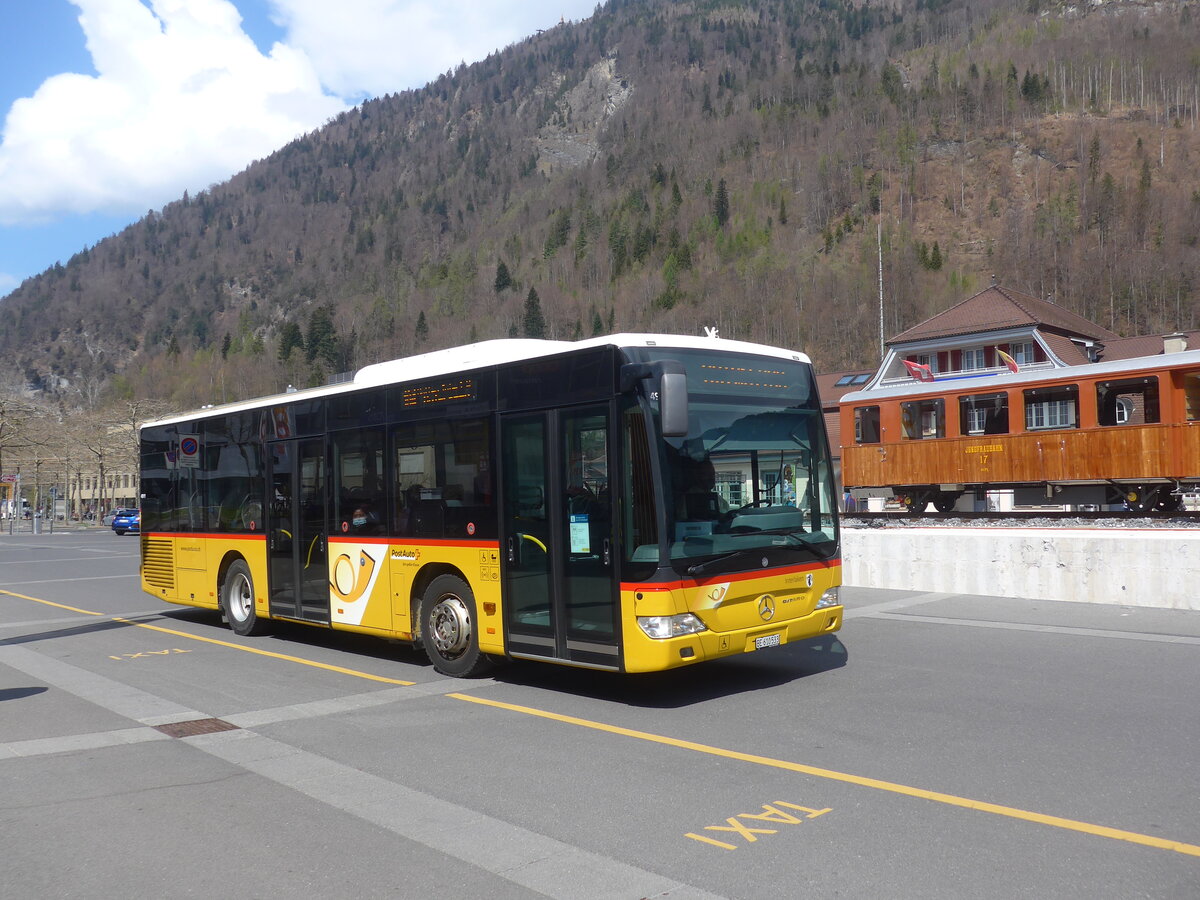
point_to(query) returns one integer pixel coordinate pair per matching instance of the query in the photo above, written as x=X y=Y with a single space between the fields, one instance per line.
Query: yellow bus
x=630 y=503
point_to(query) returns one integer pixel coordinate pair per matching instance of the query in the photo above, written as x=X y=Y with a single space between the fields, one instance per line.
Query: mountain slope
x=665 y=166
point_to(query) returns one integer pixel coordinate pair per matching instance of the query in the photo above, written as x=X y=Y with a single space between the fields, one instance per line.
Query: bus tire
x=237 y=600
x=448 y=628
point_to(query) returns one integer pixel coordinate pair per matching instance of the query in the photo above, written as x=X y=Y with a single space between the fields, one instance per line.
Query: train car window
x=866 y=425
x=983 y=414
x=923 y=419
x=1133 y=401
x=1191 y=393
x=1052 y=407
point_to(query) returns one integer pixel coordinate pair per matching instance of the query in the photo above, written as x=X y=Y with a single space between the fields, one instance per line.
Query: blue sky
x=110 y=108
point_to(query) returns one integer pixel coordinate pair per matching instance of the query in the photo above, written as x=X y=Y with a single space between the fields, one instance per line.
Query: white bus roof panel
x=489 y=353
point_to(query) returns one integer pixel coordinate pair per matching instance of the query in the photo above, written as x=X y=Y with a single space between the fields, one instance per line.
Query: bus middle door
x=296 y=543
x=560 y=591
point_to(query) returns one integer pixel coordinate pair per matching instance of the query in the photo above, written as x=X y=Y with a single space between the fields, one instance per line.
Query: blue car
x=127 y=520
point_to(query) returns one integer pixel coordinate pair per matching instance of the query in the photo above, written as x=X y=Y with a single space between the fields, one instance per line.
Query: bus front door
x=560 y=591
x=296 y=545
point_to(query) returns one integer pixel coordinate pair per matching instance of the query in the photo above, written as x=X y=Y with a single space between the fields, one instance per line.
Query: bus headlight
x=828 y=599
x=659 y=627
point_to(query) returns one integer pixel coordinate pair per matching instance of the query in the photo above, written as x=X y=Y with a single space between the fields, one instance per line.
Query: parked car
x=109 y=516
x=127 y=520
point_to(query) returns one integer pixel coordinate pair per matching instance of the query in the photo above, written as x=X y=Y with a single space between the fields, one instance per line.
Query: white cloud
x=375 y=47
x=182 y=98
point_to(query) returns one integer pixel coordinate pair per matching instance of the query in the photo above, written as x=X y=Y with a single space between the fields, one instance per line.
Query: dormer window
x=973 y=359
x=1022 y=353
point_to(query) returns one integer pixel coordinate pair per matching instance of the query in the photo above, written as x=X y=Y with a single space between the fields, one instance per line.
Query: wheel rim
x=450 y=627
x=1140 y=500
x=239 y=600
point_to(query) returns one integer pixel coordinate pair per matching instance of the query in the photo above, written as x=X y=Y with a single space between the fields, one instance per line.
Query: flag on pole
x=1008 y=361
x=919 y=371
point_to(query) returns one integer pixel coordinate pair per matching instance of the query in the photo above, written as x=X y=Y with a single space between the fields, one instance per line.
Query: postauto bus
x=630 y=503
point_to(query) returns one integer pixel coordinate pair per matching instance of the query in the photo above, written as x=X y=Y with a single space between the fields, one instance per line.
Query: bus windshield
x=752 y=473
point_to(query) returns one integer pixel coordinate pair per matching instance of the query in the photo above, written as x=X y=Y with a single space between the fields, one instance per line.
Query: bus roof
x=481 y=355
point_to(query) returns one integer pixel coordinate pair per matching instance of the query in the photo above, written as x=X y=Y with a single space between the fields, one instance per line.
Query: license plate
x=767 y=640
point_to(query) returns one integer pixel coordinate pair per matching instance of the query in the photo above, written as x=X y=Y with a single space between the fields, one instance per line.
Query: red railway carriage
x=1103 y=433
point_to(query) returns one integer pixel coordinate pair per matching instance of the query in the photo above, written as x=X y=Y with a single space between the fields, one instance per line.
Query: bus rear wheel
x=237 y=600
x=448 y=628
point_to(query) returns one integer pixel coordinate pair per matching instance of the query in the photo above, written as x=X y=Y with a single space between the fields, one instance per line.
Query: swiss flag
x=919 y=371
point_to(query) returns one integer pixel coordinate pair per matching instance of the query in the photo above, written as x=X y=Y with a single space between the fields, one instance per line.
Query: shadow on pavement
x=19 y=693
x=659 y=690
x=693 y=684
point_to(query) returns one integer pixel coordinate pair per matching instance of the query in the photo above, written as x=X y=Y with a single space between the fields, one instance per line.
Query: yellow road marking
x=936 y=796
x=1118 y=834
x=273 y=655
x=708 y=840
x=207 y=640
x=86 y=612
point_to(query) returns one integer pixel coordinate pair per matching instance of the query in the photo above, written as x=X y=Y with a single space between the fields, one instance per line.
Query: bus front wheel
x=448 y=628
x=237 y=600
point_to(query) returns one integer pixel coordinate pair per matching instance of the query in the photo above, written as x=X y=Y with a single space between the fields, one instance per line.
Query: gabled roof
x=1142 y=345
x=1065 y=349
x=832 y=386
x=996 y=309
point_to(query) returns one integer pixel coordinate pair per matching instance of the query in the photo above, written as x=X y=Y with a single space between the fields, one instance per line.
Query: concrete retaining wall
x=1155 y=568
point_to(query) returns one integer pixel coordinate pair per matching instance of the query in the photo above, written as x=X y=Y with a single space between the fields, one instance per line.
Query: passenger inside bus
x=406 y=516
x=364 y=520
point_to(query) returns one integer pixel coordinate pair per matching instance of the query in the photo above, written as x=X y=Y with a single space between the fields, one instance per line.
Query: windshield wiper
x=795 y=543
x=701 y=568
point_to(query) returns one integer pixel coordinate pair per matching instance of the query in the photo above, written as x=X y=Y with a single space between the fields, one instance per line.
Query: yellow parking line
x=936 y=796
x=949 y=799
x=86 y=612
x=207 y=640
x=357 y=673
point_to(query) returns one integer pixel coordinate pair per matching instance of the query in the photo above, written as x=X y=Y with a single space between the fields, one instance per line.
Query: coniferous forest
x=665 y=166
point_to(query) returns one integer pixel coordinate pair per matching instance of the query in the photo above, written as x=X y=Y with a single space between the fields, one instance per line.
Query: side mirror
x=672 y=391
x=673 y=404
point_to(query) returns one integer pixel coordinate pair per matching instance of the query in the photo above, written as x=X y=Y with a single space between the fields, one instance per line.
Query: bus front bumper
x=646 y=654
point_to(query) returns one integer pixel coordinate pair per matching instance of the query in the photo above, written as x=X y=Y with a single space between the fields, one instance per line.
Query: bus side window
x=358 y=481
x=441 y=479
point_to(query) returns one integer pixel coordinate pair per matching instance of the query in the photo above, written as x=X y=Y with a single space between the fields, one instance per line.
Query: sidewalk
x=17 y=527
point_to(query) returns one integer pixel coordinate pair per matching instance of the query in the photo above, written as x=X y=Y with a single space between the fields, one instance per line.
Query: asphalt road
x=943 y=746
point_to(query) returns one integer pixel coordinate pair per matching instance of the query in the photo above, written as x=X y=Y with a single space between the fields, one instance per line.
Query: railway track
x=1040 y=517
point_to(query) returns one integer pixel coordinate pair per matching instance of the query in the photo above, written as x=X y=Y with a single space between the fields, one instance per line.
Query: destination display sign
x=434 y=392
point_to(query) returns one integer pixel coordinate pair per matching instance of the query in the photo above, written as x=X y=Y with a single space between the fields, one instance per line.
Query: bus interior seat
x=531 y=501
